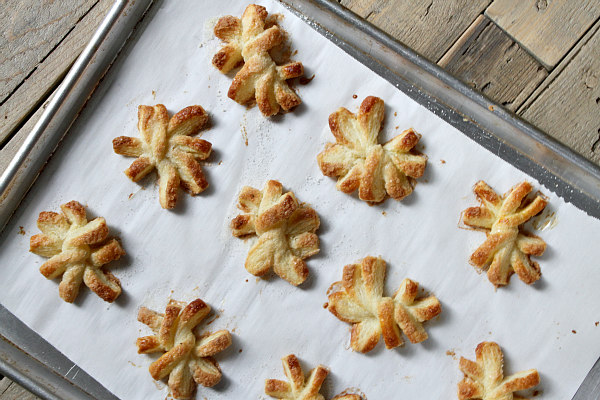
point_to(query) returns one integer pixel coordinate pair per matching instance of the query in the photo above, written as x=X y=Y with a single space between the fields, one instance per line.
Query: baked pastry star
x=166 y=145
x=484 y=378
x=359 y=301
x=78 y=250
x=358 y=161
x=299 y=388
x=507 y=247
x=187 y=358
x=249 y=40
x=285 y=230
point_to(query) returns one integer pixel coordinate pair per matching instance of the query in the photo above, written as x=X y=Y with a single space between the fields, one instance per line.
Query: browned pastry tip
x=78 y=251
x=299 y=387
x=360 y=162
x=166 y=145
x=187 y=358
x=285 y=229
x=507 y=248
x=248 y=41
x=484 y=378
x=360 y=302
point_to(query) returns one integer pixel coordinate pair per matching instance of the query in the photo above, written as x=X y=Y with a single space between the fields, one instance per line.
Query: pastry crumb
x=304 y=80
x=325 y=305
x=574 y=331
x=597 y=322
x=397 y=126
x=21 y=230
x=395 y=113
x=245 y=135
x=130 y=196
x=240 y=350
x=154 y=94
x=383 y=213
x=491 y=108
x=354 y=96
x=450 y=353
x=443 y=161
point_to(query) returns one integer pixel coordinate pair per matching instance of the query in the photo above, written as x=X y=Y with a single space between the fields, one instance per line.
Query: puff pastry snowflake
x=507 y=248
x=249 y=40
x=187 y=358
x=285 y=230
x=78 y=249
x=360 y=302
x=167 y=146
x=360 y=162
x=485 y=380
x=299 y=388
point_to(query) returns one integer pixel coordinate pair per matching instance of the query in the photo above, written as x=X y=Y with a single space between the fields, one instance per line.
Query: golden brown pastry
x=484 y=378
x=166 y=145
x=359 y=301
x=285 y=230
x=249 y=40
x=360 y=162
x=507 y=247
x=187 y=358
x=299 y=388
x=78 y=250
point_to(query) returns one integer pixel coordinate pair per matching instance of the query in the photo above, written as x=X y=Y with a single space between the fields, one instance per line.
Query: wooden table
x=537 y=58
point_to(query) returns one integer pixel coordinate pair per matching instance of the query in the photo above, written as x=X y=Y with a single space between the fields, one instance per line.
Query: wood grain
x=44 y=76
x=488 y=60
x=546 y=29
x=30 y=30
x=428 y=27
x=569 y=108
x=12 y=391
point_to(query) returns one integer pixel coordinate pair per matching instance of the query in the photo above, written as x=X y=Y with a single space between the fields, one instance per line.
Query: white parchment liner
x=189 y=252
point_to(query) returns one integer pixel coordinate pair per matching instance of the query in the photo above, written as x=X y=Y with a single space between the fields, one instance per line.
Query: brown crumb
x=246 y=280
x=130 y=195
x=220 y=162
x=395 y=114
x=443 y=161
x=245 y=135
x=304 y=80
x=383 y=213
x=450 y=353
x=295 y=52
x=536 y=393
x=240 y=350
x=597 y=322
x=574 y=331
x=354 y=96
x=491 y=108
x=325 y=305
x=397 y=126
x=21 y=230
x=154 y=94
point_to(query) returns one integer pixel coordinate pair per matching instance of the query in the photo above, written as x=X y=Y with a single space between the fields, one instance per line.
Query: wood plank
x=48 y=74
x=569 y=108
x=9 y=390
x=487 y=59
x=30 y=30
x=546 y=29
x=12 y=146
x=428 y=27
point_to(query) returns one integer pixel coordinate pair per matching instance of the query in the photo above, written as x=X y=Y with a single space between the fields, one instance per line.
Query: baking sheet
x=189 y=252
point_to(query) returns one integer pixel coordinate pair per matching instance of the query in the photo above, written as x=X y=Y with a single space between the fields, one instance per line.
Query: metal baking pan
x=32 y=362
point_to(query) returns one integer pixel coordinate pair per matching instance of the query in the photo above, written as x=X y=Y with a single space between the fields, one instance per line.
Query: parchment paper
x=189 y=252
